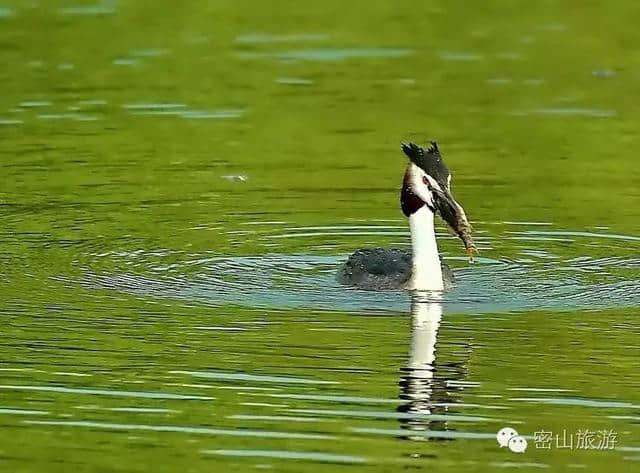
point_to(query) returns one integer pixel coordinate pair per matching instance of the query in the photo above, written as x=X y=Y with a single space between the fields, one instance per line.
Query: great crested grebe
x=426 y=190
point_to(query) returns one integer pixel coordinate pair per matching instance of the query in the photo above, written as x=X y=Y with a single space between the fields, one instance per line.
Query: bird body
x=425 y=192
x=384 y=268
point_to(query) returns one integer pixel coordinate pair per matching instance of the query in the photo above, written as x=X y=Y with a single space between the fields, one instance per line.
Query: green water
x=180 y=184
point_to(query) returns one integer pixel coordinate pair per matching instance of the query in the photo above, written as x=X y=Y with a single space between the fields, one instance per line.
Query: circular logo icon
x=517 y=444
x=504 y=435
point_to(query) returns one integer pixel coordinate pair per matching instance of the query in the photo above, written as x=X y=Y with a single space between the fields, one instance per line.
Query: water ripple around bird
x=532 y=278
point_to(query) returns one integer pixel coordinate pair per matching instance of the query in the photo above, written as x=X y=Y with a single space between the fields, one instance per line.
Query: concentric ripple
x=535 y=279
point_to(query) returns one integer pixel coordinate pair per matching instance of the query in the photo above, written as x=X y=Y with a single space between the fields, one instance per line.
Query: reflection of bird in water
x=426 y=190
x=427 y=387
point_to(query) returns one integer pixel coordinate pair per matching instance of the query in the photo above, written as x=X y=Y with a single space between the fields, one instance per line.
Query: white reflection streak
x=426 y=313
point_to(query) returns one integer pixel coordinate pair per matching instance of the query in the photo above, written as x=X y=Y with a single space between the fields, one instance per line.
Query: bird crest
x=429 y=160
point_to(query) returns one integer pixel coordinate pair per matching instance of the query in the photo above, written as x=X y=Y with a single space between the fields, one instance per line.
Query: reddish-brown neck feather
x=409 y=201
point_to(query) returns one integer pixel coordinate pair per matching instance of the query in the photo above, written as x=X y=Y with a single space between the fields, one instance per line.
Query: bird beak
x=453 y=213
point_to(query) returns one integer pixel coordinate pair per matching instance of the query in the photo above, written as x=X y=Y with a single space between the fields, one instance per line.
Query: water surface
x=180 y=186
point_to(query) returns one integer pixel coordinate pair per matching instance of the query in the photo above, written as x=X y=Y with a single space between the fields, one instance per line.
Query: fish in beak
x=434 y=190
x=455 y=216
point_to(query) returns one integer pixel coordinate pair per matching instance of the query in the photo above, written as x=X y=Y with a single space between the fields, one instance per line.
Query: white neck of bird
x=426 y=270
